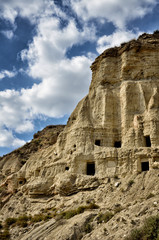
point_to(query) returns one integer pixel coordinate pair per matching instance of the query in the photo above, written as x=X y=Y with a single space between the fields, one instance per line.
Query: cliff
x=105 y=161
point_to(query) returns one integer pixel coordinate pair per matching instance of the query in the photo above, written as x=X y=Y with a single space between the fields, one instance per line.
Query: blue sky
x=46 y=49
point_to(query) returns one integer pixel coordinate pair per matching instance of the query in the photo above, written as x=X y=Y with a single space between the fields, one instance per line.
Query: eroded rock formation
x=113 y=132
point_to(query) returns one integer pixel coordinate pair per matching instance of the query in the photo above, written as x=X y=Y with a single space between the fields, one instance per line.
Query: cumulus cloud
x=63 y=81
x=8 y=139
x=6 y=73
x=14 y=117
x=115 y=39
x=31 y=9
x=14 y=112
x=58 y=93
x=117 y=11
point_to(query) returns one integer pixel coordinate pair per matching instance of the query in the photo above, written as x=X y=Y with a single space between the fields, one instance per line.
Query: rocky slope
x=98 y=178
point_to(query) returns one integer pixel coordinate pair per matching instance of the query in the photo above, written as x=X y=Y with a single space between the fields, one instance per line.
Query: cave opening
x=97 y=142
x=145 y=166
x=91 y=168
x=117 y=144
x=148 y=141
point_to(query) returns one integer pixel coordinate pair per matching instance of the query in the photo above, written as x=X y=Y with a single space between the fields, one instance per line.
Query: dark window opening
x=145 y=166
x=91 y=168
x=66 y=168
x=148 y=141
x=74 y=145
x=97 y=142
x=117 y=144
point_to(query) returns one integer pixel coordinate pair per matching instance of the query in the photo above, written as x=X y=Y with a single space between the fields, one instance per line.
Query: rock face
x=115 y=127
x=112 y=133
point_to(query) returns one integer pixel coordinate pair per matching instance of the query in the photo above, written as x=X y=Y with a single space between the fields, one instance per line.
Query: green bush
x=151 y=228
x=23 y=218
x=37 y=218
x=92 y=206
x=81 y=209
x=104 y=217
x=4 y=235
x=69 y=214
x=135 y=234
x=149 y=231
x=22 y=221
x=47 y=217
x=88 y=228
x=10 y=221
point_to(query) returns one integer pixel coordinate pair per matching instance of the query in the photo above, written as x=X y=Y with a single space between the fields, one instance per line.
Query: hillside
x=97 y=177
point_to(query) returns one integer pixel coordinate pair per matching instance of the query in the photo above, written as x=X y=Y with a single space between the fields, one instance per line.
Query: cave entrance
x=144 y=166
x=97 y=142
x=148 y=141
x=91 y=168
x=117 y=144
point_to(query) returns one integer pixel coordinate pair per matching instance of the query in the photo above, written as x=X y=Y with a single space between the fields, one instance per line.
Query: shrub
x=47 y=217
x=104 y=217
x=156 y=32
x=149 y=231
x=135 y=235
x=4 y=235
x=92 y=206
x=22 y=221
x=69 y=214
x=22 y=224
x=88 y=228
x=81 y=209
x=151 y=228
x=37 y=218
x=10 y=221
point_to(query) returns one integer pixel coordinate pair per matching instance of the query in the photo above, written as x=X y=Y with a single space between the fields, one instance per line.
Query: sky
x=46 y=49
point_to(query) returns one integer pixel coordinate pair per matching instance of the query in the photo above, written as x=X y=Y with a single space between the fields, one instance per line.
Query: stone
x=117 y=184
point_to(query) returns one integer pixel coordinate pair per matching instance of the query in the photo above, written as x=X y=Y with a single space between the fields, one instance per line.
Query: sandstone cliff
x=107 y=154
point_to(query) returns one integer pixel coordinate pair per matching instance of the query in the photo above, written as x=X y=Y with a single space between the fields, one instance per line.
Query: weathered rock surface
x=108 y=153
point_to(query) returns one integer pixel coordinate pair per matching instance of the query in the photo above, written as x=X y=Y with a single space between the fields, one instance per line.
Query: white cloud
x=63 y=81
x=8 y=139
x=6 y=73
x=115 y=39
x=116 y=11
x=58 y=93
x=31 y=9
x=14 y=112
x=15 y=116
x=8 y=34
